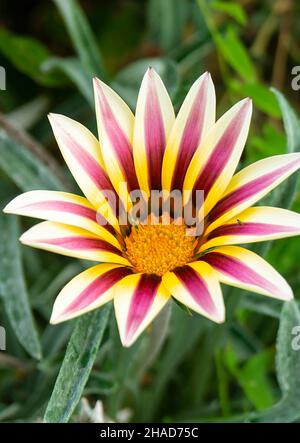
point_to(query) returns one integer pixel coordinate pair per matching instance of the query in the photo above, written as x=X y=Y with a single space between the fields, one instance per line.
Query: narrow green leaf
x=23 y=167
x=235 y=53
x=283 y=195
x=234 y=10
x=76 y=367
x=13 y=290
x=27 y=55
x=73 y=69
x=262 y=97
x=286 y=192
x=82 y=36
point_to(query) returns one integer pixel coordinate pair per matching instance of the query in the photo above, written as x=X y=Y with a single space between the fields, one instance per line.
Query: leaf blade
x=13 y=288
x=76 y=367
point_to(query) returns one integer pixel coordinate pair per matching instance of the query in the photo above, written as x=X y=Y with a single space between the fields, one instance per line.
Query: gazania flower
x=143 y=266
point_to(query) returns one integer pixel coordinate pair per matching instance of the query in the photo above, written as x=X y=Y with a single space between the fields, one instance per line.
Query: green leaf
x=27 y=55
x=261 y=95
x=82 y=36
x=72 y=68
x=252 y=377
x=13 y=290
x=287 y=410
x=286 y=192
x=283 y=195
x=127 y=82
x=234 y=10
x=167 y=31
x=23 y=167
x=235 y=53
x=76 y=367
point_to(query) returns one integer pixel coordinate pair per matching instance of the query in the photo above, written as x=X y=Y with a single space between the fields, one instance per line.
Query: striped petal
x=217 y=157
x=115 y=127
x=154 y=119
x=74 y=242
x=138 y=299
x=244 y=269
x=196 y=116
x=89 y=290
x=251 y=184
x=81 y=151
x=196 y=286
x=63 y=208
x=253 y=225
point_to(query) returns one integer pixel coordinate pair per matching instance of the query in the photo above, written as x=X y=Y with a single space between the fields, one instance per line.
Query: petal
x=251 y=184
x=81 y=151
x=196 y=116
x=253 y=225
x=217 y=157
x=87 y=291
x=196 y=286
x=138 y=299
x=115 y=127
x=74 y=242
x=242 y=268
x=62 y=207
x=154 y=119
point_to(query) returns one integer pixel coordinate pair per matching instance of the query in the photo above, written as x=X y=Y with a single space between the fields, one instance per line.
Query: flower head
x=144 y=261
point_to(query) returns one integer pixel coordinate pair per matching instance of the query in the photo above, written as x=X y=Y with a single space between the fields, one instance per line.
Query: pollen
x=157 y=249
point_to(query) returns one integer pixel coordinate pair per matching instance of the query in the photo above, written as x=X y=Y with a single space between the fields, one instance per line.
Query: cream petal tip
x=55 y=319
x=24 y=239
x=8 y=209
x=221 y=317
x=289 y=295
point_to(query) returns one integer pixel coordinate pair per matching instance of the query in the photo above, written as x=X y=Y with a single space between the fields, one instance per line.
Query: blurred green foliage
x=244 y=370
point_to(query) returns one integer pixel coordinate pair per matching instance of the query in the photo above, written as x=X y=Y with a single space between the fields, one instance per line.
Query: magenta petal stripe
x=238 y=270
x=191 y=136
x=197 y=287
x=246 y=191
x=155 y=138
x=87 y=162
x=95 y=289
x=142 y=300
x=221 y=154
x=72 y=208
x=118 y=140
x=78 y=243
x=241 y=228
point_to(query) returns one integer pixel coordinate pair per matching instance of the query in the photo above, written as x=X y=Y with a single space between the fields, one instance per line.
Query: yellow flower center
x=156 y=249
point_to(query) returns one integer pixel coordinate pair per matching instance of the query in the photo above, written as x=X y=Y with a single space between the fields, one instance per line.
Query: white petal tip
x=97 y=82
x=55 y=319
x=220 y=318
x=8 y=209
x=127 y=342
x=24 y=239
x=53 y=117
x=247 y=101
x=289 y=296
